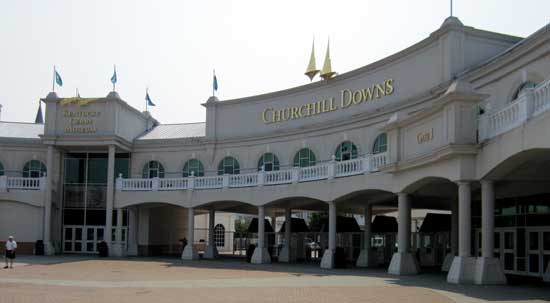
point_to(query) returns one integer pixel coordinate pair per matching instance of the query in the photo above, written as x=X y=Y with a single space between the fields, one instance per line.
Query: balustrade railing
x=530 y=103
x=326 y=170
x=7 y=183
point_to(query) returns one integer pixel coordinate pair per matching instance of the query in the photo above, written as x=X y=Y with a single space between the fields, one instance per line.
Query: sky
x=172 y=47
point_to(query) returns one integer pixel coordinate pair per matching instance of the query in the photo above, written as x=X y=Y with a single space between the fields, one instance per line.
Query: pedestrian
x=11 y=246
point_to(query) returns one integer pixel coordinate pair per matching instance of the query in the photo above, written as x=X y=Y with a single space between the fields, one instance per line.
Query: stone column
x=366 y=257
x=463 y=267
x=488 y=268
x=261 y=254
x=48 y=246
x=132 y=232
x=110 y=197
x=287 y=255
x=117 y=248
x=211 y=249
x=189 y=252
x=403 y=262
x=328 y=257
x=453 y=238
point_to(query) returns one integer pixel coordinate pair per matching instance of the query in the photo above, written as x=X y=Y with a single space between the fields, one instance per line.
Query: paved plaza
x=88 y=279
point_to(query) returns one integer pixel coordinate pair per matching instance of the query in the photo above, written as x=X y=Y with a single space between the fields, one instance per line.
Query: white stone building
x=458 y=122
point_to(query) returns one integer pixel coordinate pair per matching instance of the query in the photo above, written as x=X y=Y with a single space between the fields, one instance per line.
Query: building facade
x=457 y=122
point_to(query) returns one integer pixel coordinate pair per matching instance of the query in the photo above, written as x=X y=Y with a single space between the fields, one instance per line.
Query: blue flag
x=113 y=78
x=58 y=79
x=215 y=84
x=148 y=99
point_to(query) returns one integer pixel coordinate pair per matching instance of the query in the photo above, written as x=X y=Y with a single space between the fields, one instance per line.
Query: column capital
x=463 y=182
x=486 y=182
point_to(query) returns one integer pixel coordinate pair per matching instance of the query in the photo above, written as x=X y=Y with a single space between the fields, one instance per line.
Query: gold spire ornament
x=311 y=70
x=326 y=72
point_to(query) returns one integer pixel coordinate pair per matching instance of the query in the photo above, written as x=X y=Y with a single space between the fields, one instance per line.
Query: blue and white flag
x=113 y=78
x=215 y=83
x=148 y=99
x=58 y=79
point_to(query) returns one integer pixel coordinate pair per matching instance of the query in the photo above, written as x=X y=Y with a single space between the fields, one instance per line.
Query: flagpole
x=214 y=77
x=114 y=82
x=451 y=8
x=146 y=94
x=53 y=80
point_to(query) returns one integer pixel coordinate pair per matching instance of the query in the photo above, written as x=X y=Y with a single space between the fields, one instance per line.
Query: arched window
x=153 y=169
x=269 y=161
x=219 y=235
x=380 y=144
x=346 y=151
x=1 y=169
x=304 y=158
x=228 y=165
x=522 y=87
x=193 y=166
x=34 y=169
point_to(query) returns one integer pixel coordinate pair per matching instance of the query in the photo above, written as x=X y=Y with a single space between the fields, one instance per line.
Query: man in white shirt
x=11 y=246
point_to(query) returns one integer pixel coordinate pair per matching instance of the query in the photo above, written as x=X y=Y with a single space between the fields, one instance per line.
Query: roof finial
x=326 y=72
x=312 y=70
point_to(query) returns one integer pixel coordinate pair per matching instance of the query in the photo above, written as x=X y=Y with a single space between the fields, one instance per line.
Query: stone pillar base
x=189 y=253
x=286 y=256
x=447 y=262
x=546 y=276
x=327 y=262
x=261 y=256
x=49 y=249
x=403 y=264
x=366 y=259
x=462 y=270
x=116 y=250
x=489 y=272
x=211 y=252
x=132 y=250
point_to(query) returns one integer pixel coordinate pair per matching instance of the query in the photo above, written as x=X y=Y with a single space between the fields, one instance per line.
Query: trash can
x=39 y=248
x=103 y=249
x=250 y=252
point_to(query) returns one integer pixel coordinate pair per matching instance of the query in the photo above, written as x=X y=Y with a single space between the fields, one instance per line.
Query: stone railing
x=328 y=170
x=530 y=103
x=20 y=183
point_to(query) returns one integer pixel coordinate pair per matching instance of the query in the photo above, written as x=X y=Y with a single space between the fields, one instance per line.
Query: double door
x=82 y=238
x=522 y=251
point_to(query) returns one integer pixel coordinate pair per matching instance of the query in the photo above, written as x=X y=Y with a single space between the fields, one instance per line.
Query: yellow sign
x=77 y=100
x=80 y=122
x=347 y=99
x=424 y=137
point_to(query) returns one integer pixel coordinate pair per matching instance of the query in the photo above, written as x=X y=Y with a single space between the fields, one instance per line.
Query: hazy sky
x=172 y=46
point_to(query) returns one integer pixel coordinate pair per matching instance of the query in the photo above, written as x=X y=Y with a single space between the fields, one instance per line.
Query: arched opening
x=34 y=169
x=346 y=151
x=193 y=167
x=524 y=86
x=229 y=166
x=269 y=162
x=380 y=144
x=304 y=158
x=153 y=169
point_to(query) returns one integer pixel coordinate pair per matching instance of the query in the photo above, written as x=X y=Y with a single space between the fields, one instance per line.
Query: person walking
x=11 y=246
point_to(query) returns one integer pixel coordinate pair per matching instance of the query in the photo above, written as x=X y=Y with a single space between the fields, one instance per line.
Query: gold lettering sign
x=424 y=137
x=347 y=99
x=80 y=122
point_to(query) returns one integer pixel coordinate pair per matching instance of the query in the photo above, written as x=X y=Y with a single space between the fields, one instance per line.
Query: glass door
x=73 y=241
x=538 y=251
x=508 y=252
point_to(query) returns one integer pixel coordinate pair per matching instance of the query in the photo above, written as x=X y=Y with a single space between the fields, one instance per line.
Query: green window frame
x=34 y=169
x=346 y=151
x=380 y=144
x=269 y=161
x=193 y=166
x=304 y=158
x=153 y=169
x=228 y=165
